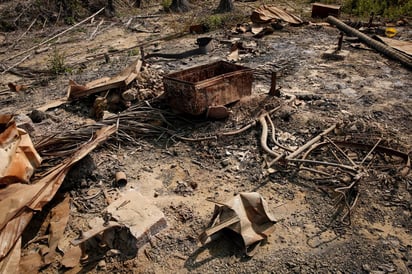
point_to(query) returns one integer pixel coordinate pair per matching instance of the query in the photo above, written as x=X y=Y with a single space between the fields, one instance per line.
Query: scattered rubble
x=22 y=200
x=198 y=127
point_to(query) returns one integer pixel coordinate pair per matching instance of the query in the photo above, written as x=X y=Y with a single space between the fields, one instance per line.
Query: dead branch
x=310 y=143
x=314 y=170
x=146 y=16
x=54 y=37
x=344 y=192
x=24 y=33
x=264 y=136
x=254 y=122
x=235 y=132
x=16 y=64
x=95 y=31
x=340 y=150
x=147 y=42
x=281 y=156
x=370 y=151
x=345 y=167
x=274 y=137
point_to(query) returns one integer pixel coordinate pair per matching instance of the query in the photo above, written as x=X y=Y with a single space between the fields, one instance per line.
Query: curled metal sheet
x=267 y=14
x=19 y=201
x=246 y=214
x=18 y=157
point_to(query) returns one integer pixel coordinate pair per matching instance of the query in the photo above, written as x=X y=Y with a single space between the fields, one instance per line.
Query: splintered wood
x=121 y=80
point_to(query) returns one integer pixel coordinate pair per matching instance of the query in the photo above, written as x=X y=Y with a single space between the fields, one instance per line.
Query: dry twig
x=50 y=39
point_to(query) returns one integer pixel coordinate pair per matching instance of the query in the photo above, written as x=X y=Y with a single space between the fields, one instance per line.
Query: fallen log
x=378 y=46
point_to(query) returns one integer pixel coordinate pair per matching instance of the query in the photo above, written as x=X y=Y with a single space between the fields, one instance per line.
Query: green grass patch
x=57 y=63
x=224 y=20
x=166 y=4
x=389 y=9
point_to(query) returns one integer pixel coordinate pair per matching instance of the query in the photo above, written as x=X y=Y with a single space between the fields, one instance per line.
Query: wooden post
x=340 y=42
x=273 y=90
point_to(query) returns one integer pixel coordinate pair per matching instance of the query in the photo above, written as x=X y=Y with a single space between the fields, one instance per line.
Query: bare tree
x=180 y=6
x=225 y=6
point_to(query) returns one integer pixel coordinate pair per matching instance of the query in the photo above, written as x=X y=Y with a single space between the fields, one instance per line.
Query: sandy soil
x=367 y=93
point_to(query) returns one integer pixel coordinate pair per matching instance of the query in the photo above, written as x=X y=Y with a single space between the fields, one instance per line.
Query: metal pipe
x=121 y=179
x=378 y=46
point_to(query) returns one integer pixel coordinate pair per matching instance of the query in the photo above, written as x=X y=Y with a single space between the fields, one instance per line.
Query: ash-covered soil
x=366 y=93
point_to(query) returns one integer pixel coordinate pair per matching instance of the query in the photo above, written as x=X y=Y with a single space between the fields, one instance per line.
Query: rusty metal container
x=320 y=10
x=193 y=90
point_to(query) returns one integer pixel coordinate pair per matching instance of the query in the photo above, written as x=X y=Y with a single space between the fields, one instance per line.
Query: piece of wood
x=106 y=83
x=53 y=104
x=310 y=143
x=180 y=6
x=60 y=217
x=225 y=6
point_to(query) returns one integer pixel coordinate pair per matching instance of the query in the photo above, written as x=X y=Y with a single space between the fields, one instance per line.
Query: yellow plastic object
x=390 y=32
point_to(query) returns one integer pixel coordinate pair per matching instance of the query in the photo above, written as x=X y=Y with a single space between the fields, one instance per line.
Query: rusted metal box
x=323 y=10
x=193 y=90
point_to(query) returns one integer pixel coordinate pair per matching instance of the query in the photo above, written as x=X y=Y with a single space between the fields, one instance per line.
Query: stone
x=225 y=162
x=24 y=122
x=130 y=94
x=101 y=265
x=38 y=116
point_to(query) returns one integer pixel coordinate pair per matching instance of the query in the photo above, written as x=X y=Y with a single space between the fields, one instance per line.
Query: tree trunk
x=180 y=6
x=110 y=10
x=225 y=6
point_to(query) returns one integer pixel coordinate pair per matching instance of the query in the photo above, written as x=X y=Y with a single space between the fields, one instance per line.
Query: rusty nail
x=80 y=235
x=121 y=180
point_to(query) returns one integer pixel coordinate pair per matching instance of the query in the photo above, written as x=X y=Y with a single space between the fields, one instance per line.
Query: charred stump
x=225 y=6
x=180 y=6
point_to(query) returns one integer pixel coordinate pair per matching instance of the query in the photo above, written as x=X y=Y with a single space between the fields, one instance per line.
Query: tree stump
x=180 y=6
x=225 y=6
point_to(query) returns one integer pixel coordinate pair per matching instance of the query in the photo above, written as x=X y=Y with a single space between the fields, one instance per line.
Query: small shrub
x=390 y=9
x=166 y=4
x=216 y=21
x=57 y=62
x=134 y=52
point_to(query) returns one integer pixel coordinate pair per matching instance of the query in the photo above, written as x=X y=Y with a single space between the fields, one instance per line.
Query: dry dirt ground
x=368 y=94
